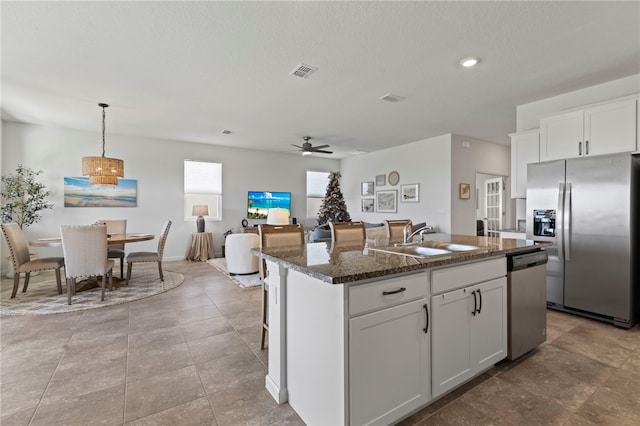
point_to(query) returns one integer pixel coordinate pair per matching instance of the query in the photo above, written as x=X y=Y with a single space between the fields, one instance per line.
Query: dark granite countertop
x=348 y=262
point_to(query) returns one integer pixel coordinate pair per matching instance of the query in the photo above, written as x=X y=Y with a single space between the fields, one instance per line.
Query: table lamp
x=200 y=210
x=277 y=216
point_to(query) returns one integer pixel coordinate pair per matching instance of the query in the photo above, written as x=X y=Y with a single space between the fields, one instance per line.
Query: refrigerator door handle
x=559 y=221
x=566 y=222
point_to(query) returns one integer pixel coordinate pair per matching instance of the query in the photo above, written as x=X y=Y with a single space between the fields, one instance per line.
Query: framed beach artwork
x=367 y=205
x=79 y=193
x=410 y=193
x=387 y=201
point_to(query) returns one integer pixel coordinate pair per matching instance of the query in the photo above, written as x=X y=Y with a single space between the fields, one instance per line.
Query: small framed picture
x=387 y=201
x=367 y=205
x=366 y=189
x=465 y=191
x=410 y=193
x=381 y=180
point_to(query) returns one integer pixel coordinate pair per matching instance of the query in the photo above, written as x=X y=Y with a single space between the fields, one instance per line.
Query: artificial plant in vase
x=23 y=197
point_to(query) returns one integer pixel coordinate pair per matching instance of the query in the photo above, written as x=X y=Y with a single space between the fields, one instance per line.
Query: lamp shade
x=200 y=210
x=278 y=216
x=102 y=170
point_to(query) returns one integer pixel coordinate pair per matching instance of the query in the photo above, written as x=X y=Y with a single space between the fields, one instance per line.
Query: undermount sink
x=455 y=247
x=418 y=251
x=425 y=248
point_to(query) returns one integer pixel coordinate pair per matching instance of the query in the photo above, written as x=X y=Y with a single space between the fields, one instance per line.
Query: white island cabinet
x=389 y=349
x=363 y=352
x=469 y=322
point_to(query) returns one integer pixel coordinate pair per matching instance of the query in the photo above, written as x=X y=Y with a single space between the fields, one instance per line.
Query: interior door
x=493 y=210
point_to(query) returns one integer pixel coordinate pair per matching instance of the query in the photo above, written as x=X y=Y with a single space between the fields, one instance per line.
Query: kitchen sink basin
x=456 y=247
x=418 y=251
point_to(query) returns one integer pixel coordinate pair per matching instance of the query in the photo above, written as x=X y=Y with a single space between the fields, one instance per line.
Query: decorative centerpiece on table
x=23 y=198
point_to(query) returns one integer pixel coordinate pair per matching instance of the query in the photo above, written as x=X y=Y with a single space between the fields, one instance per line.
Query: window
x=203 y=186
x=316 y=189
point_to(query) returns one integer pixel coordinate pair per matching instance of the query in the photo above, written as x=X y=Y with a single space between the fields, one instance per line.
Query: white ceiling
x=188 y=70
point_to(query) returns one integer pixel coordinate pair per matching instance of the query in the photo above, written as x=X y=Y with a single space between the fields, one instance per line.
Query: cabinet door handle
x=579 y=148
x=475 y=303
x=426 y=311
x=586 y=147
x=480 y=297
x=400 y=290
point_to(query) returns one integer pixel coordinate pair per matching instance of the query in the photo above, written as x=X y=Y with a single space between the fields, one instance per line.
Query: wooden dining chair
x=116 y=251
x=274 y=236
x=85 y=255
x=21 y=259
x=395 y=227
x=347 y=231
x=148 y=256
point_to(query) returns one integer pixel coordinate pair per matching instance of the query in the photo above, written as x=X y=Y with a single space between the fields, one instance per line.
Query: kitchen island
x=364 y=333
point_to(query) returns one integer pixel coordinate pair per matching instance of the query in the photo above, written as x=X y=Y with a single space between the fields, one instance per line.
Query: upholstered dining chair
x=116 y=251
x=85 y=255
x=148 y=256
x=347 y=231
x=21 y=259
x=274 y=236
x=395 y=227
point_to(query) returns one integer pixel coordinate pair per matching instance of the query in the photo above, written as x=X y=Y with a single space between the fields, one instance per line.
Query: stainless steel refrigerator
x=589 y=209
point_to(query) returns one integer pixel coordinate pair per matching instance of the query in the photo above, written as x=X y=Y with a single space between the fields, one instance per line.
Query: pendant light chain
x=104 y=127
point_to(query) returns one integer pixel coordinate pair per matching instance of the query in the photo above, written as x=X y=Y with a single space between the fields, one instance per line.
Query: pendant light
x=102 y=170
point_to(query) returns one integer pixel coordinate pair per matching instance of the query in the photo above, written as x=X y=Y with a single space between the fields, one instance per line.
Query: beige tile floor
x=191 y=357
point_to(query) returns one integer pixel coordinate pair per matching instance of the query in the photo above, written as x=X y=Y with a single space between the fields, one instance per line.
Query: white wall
x=470 y=156
x=157 y=165
x=426 y=162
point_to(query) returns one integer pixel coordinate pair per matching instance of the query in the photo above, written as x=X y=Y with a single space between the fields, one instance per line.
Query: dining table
x=111 y=239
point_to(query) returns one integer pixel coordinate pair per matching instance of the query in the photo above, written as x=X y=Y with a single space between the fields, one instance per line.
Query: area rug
x=42 y=295
x=244 y=281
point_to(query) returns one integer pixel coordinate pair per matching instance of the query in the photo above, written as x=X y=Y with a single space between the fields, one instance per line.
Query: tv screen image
x=259 y=203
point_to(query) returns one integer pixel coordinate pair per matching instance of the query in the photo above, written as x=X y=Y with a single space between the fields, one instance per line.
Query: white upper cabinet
x=602 y=129
x=525 y=149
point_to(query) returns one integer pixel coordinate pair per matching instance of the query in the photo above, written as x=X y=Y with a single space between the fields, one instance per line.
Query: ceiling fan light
x=305 y=153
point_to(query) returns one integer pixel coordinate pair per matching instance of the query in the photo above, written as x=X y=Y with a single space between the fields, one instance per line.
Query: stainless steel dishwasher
x=527 y=301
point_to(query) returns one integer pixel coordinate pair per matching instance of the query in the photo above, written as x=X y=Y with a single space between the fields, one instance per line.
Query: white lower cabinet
x=469 y=327
x=390 y=358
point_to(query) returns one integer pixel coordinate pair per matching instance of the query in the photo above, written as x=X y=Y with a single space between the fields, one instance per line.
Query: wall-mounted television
x=259 y=203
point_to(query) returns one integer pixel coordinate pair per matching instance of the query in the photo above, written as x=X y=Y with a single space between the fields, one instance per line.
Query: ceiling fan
x=308 y=149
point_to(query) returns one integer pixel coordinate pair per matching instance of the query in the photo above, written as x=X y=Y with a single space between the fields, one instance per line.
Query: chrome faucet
x=406 y=236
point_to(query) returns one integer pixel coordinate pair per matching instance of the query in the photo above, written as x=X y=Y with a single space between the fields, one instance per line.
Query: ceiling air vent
x=390 y=97
x=303 y=71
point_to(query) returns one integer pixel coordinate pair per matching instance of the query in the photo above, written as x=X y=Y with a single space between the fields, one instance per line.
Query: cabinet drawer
x=370 y=297
x=448 y=279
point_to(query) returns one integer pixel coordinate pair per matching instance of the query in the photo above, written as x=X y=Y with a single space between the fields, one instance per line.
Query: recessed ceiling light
x=470 y=62
x=226 y=132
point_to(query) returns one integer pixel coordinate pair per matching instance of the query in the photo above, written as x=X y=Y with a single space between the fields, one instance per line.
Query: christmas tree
x=333 y=208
